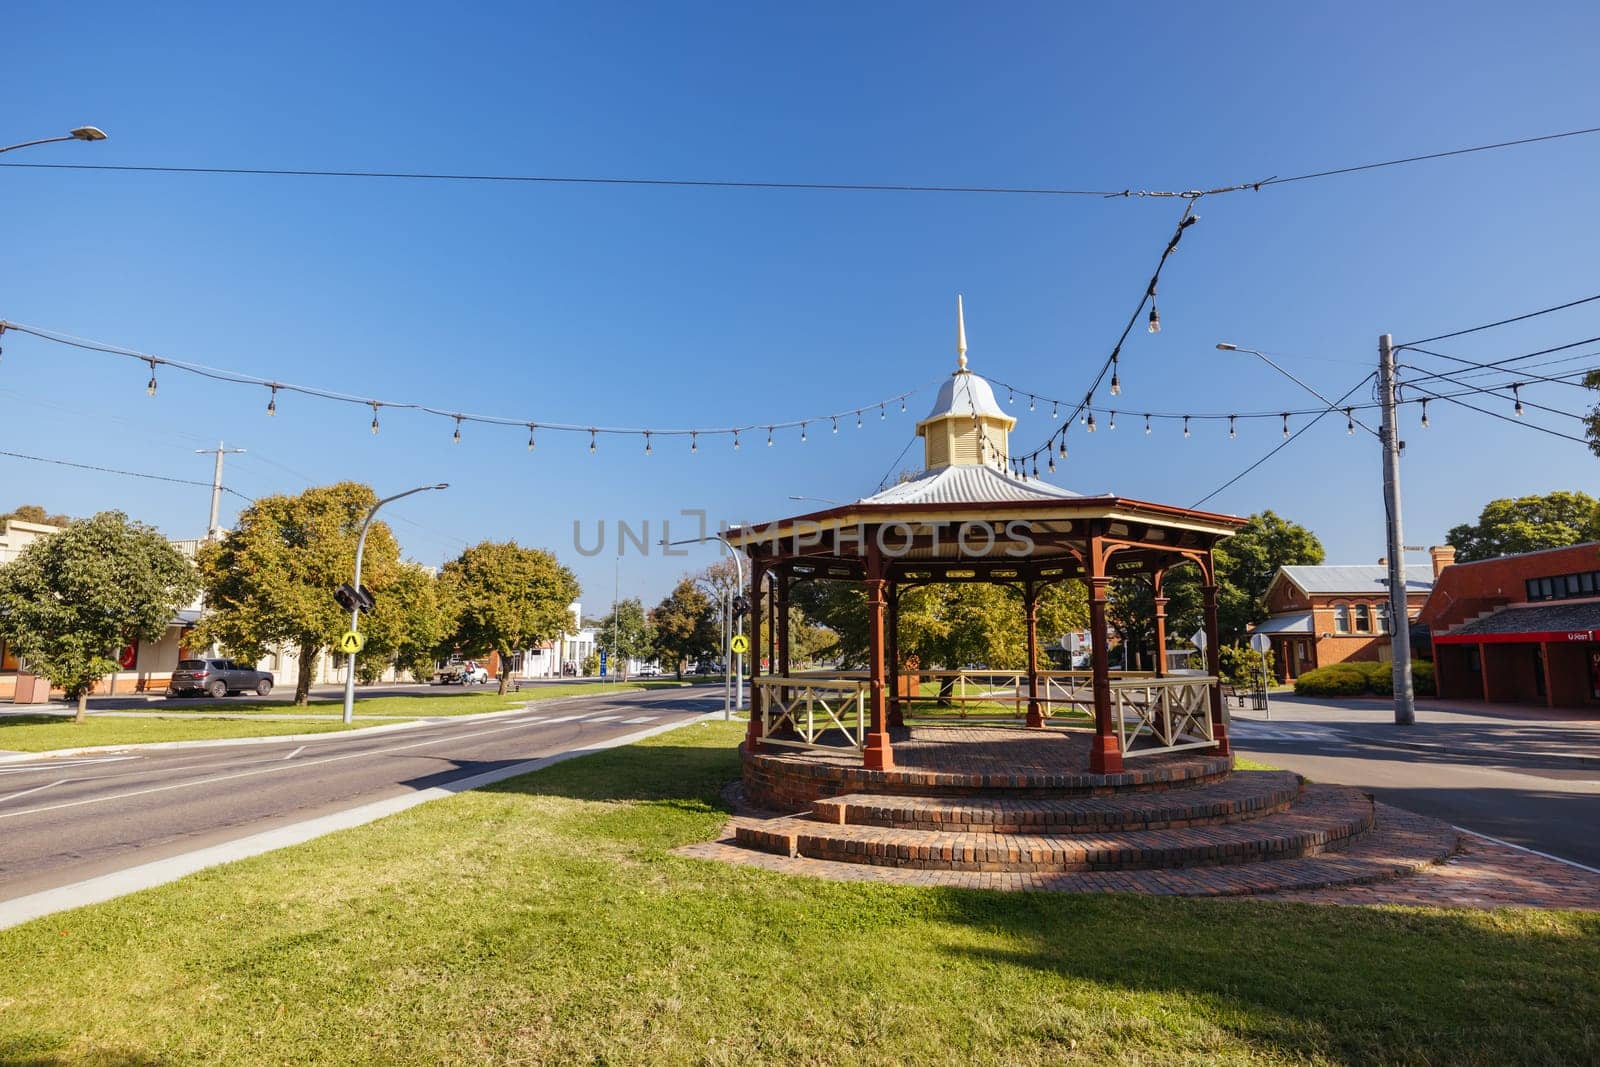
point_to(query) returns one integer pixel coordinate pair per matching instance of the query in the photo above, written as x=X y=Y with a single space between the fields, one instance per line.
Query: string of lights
x=648 y=435
x=1113 y=362
x=1452 y=398
x=848 y=187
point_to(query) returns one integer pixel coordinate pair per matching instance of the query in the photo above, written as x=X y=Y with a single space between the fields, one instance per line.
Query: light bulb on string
x=648 y=450
x=374 y=418
x=1112 y=425
x=736 y=440
x=150 y=387
x=591 y=442
x=1349 y=422
x=1036 y=466
x=1232 y=433
x=858 y=420
x=1285 y=425
x=802 y=433
x=1147 y=424
x=836 y=424
x=1031 y=399
x=1155 y=316
x=1116 y=382
x=272 y=402
x=1063 y=448
x=1011 y=395
x=883 y=413
x=1055 y=410
x=1051 y=466
x=694 y=442
x=1515 y=386
x=456 y=437
x=902 y=405
x=1089 y=426
x=1186 y=426
x=530 y=437
x=769 y=436
x=1424 y=414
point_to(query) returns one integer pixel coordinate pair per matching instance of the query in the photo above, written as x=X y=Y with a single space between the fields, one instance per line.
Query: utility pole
x=1405 y=707
x=214 y=528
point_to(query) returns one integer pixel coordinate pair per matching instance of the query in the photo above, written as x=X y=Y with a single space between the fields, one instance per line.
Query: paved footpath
x=1528 y=776
x=65 y=820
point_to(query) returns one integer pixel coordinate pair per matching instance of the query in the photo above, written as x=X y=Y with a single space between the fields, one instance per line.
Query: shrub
x=1241 y=665
x=1362 y=678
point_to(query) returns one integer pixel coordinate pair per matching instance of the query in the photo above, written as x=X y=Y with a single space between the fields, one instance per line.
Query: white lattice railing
x=1060 y=692
x=797 y=711
x=1173 y=712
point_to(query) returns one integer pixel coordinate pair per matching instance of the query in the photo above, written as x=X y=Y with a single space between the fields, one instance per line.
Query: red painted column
x=892 y=652
x=1160 y=622
x=1219 y=726
x=752 y=736
x=1549 y=675
x=1483 y=671
x=878 y=755
x=780 y=602
x=1030 y=604
x=1105 y=754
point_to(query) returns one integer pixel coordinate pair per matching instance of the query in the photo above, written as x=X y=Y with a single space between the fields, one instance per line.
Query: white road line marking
x=295 y=753
x=1525 y=848
x=51 y=764
x=602 y=718
x=35 y=789
x=640 y=720
x=277 y=765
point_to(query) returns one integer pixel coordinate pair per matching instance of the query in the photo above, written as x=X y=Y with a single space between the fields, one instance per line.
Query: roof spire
x=961 y=335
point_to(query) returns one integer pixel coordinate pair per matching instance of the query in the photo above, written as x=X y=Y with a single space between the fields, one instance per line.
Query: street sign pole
x=1261 y=643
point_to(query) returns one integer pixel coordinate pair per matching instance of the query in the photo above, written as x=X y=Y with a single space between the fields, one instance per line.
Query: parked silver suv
x=218 y=678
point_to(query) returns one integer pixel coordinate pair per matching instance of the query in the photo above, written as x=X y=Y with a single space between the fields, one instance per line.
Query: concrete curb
x=23 y=909
x=279 y=739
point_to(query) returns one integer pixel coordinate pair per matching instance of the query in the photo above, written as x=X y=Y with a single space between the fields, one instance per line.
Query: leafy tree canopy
x=35 y=513
x=270 y=582
x=71 y=600
x=508 y=598
x=626 y=635
x=410 y=627
x=685 y=625
x=1527 y=524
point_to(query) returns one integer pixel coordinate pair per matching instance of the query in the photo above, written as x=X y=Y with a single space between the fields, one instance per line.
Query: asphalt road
x=71 y=818
x=1528 y=777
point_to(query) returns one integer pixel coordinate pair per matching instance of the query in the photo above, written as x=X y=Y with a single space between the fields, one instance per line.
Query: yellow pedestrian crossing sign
x=741 y=644
x=352 y=642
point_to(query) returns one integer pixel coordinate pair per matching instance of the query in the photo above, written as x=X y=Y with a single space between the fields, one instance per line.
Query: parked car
x=649 y=670
x=468 y=673
x=217 y=678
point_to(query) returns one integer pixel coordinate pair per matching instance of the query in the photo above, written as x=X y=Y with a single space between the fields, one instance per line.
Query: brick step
x=1244 y=795
x=1400 y=843
x=1323 y=819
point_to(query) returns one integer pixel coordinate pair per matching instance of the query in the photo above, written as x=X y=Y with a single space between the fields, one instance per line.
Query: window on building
x=1363 y=619
x=1383 y=618
x=1341 y=618
x=1564 y=586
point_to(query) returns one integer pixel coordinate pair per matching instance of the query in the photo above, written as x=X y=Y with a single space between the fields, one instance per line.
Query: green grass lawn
x=42 y=733
x=545 y=921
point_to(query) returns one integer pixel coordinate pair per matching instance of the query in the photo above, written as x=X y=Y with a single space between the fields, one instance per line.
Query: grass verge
x=545 y=920
x=44 y=733
x=422 y=703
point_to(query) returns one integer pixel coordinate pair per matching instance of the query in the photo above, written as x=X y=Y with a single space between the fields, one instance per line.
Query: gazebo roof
x=967 y=485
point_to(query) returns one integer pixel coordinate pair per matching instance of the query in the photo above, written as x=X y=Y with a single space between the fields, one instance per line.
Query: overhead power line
x=123 y=473
x=730 y=183
x=1501 y=322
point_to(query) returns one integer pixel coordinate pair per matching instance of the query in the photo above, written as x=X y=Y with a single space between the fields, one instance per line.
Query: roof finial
x=961 y=334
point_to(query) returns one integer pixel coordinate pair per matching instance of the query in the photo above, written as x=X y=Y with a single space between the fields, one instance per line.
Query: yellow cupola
x=966 y=427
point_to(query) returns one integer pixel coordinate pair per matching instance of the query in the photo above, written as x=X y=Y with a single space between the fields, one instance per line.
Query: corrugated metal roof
x=1358 y=579
x=1543 y=618
x=964 y=393
x=968 y=485
x=1298 y=622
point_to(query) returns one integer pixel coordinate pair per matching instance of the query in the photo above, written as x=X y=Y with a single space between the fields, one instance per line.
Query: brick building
x=1520 y=629
x=1323 y=615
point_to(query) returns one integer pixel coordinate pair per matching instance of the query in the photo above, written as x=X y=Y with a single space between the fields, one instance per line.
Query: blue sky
x=692 y=307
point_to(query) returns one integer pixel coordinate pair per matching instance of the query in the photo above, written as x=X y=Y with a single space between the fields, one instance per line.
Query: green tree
x=625 y=634
x=71 y=600
x=685 y=625
x=1246 y=563
x=269 y=583
x=508 y=598
x=35 y=513
x=1526 y=524
x=1591 y=421
x=412 y=621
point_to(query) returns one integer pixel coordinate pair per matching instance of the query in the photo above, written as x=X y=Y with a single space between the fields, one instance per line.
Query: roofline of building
x=1522 y=555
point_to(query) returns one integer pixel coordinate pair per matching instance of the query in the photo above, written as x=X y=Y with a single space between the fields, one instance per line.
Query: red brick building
x=1519 y=629
x=1323 y=615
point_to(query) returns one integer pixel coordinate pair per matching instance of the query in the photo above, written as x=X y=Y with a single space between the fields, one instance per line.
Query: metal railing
x=1173 y=712
x=797 y=711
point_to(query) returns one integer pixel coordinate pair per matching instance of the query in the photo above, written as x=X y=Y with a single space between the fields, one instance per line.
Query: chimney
x=1443 y=556
x=1383 y=561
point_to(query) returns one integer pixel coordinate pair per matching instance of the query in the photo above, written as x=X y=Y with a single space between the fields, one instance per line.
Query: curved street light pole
x=82 y=133
x=355 y=612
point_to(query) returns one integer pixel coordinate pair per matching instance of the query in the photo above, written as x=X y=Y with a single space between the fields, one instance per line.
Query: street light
x=355 y=611
x=819 y=499
x=1223 y=346
x=82 y=133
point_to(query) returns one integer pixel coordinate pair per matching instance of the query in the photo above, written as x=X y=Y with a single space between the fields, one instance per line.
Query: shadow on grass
x=1295 y=982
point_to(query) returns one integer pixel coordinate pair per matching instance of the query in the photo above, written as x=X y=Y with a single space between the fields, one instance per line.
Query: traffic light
x=351 y=598
x=741 y=605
